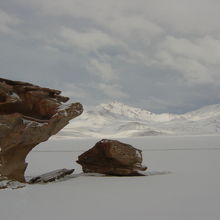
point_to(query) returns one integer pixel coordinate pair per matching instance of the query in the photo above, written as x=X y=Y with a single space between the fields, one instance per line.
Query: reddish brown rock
x=29 y=115
x=112 y=157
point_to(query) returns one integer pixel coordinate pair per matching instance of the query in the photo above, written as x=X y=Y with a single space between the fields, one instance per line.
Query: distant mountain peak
x=116 y=119
x=124 y=110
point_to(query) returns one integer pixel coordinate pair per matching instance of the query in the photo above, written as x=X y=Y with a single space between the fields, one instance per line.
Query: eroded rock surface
x=29 y=115
x=51 y=176
x=112 y=157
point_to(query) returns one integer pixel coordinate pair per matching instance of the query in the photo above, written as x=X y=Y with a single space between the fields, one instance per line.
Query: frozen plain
x=182 y=183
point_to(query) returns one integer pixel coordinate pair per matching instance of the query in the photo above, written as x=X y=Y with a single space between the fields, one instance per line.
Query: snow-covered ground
x=183 y=183
x=118 y=120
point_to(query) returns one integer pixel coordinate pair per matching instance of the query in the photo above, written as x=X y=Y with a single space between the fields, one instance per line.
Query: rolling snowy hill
x=119 y=120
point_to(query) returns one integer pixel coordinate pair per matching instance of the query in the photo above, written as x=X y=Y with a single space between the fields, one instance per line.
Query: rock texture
x=51 y=176
x=112 y=157
x=29 y=115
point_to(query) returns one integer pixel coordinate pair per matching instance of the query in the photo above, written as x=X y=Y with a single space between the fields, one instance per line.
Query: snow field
x=183 y=182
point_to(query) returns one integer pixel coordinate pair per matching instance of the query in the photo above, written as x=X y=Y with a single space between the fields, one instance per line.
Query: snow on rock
x=10 y=184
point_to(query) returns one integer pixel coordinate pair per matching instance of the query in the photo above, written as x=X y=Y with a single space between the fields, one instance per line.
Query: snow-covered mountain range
x=119 y=120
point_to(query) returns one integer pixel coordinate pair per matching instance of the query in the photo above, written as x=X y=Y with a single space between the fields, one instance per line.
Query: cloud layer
x=160 y=55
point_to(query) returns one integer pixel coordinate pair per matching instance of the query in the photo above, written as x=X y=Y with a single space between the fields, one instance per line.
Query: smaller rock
x=11 y=184
x=51 y=176
x=112 y=157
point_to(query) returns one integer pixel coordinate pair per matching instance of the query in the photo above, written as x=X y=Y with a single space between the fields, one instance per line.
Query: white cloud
x=134 y=26
x=72 y=90
x=103 y=70
x=119 y=43
x=113 y=91
x=205 y=49
x=139 y=30
x=89 y=40
x=7 y=22
x=193 y=59
x=189 y=16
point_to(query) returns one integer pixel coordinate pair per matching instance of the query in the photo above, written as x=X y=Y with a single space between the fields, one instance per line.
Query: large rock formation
x=29 y=115
x=112 y=157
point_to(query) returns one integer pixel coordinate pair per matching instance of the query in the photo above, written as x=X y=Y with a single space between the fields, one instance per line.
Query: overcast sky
x=161 y=55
